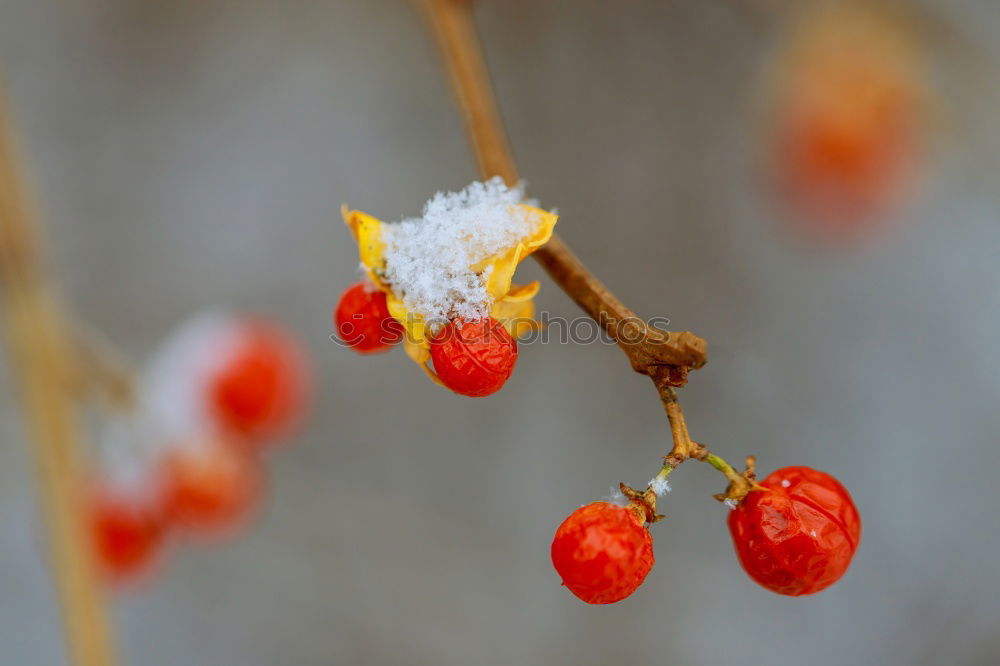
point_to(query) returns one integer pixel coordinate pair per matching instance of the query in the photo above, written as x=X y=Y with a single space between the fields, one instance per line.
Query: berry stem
x=739 y=483
x=683 y=446
x=721 y=465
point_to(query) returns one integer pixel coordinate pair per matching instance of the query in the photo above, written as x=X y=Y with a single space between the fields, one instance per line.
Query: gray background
x=194 y=153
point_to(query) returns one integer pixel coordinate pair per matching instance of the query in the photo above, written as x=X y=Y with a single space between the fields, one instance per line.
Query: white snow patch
x=659 y=486
x=125 y=446
x=616 y=497
x=179 y=374
x=428 y=258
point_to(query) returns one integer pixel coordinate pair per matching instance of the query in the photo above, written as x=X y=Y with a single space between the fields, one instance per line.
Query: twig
x=41 y=351
x=648 y=349
x=102 y=372
x=665 y=357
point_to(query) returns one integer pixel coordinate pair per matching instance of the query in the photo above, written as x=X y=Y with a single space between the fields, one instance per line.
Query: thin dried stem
x=41 y=351
x=683 y=446
x=453 y=26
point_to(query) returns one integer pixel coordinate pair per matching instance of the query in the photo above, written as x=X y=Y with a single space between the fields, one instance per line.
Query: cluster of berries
x=795 y=534
x=472 y=358
x=442 y=284
x=220 y=391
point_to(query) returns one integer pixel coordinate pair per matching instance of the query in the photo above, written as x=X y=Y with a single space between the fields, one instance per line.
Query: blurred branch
x=101 y=371
x=42 y=354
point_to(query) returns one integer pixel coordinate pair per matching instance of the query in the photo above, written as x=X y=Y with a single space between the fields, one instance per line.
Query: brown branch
x=451 y=21
x=665 y=357
x=648 y=349
x=41 y=351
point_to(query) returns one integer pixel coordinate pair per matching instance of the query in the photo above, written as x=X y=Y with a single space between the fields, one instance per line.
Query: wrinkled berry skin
x=798 y=536
x=602 y=552
x=363 y=320
x=474 y=358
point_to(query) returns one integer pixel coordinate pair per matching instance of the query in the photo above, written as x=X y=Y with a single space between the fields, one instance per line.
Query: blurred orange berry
x=261 y=389
x=848 y=113
x=127 y=532
x=211 y=486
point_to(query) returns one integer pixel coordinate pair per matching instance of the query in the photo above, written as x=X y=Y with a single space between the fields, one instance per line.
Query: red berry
x=799 y=534
x=363 y=320
x=839 y=175
x=474 y=358
x=126 y=532
x=262 y=388
x=211 y=485
x=602 y=552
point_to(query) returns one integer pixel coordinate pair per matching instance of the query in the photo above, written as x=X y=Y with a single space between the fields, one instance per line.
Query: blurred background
x=186 y=155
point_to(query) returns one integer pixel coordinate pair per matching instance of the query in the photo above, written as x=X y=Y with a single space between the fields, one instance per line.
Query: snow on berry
x=455 y=262
x=429 y=260
x=797 y=537
x=240 y=375
x=602 y=552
